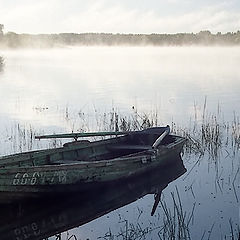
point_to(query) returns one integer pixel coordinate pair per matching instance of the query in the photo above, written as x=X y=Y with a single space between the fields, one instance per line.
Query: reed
x=21 y=138
x=176 y=221
x=133 y=121
x=174 y=224
x=129 y=231
x=209 y=134
x=234 y=233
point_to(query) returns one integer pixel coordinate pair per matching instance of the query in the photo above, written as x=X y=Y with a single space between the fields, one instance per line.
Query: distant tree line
x=13 y=40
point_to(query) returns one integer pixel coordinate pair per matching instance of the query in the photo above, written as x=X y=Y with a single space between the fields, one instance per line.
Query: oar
x=161 y=137
x=77 y=135
x=157 y=197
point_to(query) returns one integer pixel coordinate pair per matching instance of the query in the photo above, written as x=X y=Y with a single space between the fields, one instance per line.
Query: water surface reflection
x=47 y=217
x=97 y=78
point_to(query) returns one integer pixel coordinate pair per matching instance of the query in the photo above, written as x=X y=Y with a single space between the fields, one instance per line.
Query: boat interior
x=84 y=150
x=110 y=148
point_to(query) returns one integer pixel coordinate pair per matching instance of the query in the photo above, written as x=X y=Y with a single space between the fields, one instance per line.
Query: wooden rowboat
x=82 y=162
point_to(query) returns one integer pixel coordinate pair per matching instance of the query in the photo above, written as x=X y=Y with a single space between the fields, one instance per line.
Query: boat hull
x=79 y=164
x=33 y=181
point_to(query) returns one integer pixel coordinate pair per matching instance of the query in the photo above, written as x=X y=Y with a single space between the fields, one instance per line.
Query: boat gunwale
x=100 y=163
x=101 y=141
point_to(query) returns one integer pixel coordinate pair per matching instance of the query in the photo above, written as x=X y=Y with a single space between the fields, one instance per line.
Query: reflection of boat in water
x=41 y=219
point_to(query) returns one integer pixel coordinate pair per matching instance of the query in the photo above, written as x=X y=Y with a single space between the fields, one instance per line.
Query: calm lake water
x=75 y=89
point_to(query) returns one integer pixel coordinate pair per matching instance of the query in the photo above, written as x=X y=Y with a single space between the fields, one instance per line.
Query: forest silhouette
x=14 y=40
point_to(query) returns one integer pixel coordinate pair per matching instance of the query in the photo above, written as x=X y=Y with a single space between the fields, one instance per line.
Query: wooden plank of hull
x=67 y=177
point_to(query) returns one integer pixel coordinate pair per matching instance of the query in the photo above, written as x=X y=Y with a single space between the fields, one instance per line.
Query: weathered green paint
x=60 y=169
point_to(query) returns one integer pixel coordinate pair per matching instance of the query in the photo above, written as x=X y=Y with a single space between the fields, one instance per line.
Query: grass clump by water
x=21 y=138
x=173 y=223
x=130 y=231
x=176 y=221
x=209 y=134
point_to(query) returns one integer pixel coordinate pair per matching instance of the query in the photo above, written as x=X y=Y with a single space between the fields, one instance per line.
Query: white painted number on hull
x=59 y=177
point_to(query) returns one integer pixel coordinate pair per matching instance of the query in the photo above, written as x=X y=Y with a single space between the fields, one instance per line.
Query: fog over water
x=166 y=79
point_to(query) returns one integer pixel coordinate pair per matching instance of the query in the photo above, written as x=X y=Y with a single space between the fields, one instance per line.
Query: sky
x=122 y=16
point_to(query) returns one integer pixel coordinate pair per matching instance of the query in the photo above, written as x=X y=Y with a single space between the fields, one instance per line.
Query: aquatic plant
x=173 y=223
x=210 y=134
x=176 y=220
x=21 y=137
x=234 y=233
x=129 y=231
